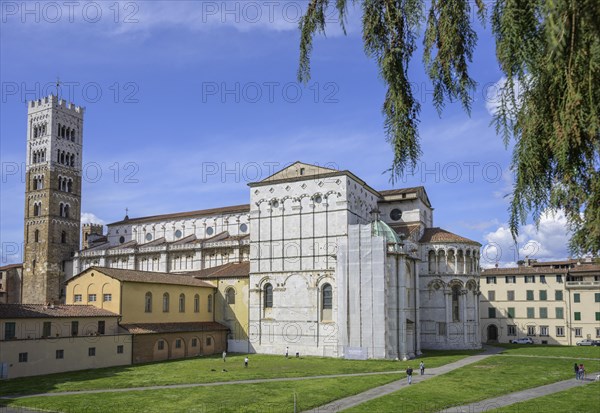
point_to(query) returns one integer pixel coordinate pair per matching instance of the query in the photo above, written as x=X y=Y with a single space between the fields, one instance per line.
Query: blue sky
x=188 y=101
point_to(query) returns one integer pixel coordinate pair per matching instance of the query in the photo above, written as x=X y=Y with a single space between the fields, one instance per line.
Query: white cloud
x=493 y=95
x=548 y=242
x=89 y=218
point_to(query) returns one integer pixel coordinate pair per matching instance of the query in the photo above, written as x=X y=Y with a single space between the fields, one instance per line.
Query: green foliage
x=549 y=51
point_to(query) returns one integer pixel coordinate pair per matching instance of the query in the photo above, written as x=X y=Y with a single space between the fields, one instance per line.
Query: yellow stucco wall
x=94 y=282
x=234 y=316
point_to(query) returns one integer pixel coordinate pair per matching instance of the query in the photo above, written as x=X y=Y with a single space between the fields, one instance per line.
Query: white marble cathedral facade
x=337 y=268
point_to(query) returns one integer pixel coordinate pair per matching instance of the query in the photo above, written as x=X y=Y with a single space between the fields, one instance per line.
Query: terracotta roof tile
x=155 y=328
x=231 y=270
x=433 y=235
x=594 y=268
x=146 y=277
x=45 y=311
x=11 y=266
x=202 y=212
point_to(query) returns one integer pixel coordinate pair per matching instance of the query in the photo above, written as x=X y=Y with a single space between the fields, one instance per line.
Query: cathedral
x=317 y=263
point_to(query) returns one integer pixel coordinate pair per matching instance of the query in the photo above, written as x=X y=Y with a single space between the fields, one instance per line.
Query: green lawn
x=209 y=369
x=489 y=378
x=554 y=351
x=576 y=400
x=255 y=398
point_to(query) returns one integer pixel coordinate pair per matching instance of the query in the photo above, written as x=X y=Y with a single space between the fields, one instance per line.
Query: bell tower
x=52 y=196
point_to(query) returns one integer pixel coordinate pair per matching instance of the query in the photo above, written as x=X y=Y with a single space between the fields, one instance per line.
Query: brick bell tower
x=52 y=196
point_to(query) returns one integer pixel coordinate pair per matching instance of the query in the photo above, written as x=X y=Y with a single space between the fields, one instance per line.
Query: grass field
x=209 y=370
x=551 y=351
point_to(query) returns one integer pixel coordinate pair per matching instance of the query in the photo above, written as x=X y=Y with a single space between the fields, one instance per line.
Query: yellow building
x=38 y=339
x=169 y=315
x=550 y=302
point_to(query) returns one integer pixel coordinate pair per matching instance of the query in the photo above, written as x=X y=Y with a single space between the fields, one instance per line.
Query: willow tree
x=549 y=52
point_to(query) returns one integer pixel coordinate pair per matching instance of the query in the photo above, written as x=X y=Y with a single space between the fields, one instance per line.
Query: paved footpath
x=386 y=389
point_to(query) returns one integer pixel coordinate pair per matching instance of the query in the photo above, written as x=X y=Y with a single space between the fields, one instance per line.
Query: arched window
x=230 y=296
x=209 y=303
x=36 y=235
x=182 y=303
x=37 y=207
x=70 y=186
x=196 y=303
x=327 y=297
x=72 y=163
x=63 y=237
x=165 y=302
x=268 y=292
x=66 y=211
x=455 y=306
x=148 y=302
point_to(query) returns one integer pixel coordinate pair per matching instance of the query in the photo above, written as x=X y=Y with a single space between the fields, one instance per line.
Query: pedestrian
x=246 y=361
x=581 y=372
x=287 y=352
x=422 y=368
x=576 y=367
x=409 y=372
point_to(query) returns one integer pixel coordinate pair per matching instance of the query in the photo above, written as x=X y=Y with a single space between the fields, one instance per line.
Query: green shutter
x=576 y=298
x=559 y=312
x=558 y=296
x=577 y=316
x=530 y=295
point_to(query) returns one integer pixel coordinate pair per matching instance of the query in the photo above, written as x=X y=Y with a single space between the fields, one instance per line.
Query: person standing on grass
x=409 y=372
x=246 y=361
x=581 y=372
x=287 y=352
x=422 y=368
x=576 y=367
x=224 y=356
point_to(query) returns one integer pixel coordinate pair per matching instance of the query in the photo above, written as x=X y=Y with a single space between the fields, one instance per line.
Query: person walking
x=409 y=372
x=581 y=372
x=576 y=367
x=246 y=361
x=224 y=356
x=422 y=368
x=287 y=352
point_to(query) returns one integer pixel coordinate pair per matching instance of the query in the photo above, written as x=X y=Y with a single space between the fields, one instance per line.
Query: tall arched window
x=455 y=306
x=63 y=237
x=230 y=296
x=209 y=303
x=268 y=292
x=327 y=297
x=66 y=211
x=148 y=302
x=182 y=303
x=196 y=303
x=165 y=302
x=36 y=235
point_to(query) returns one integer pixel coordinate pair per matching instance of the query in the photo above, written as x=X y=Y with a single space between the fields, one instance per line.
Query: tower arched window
x=196 y=303
x=230 y=296
x=165 y=302
x=72 y=160
x=63 y=237
x=36 y=235
x=62 y=157
x=148 y=302
x=72 y=135
x=61 y=209
x=182 y=303
x=37 y=207
x=455 y=303
x=66 y=211
x=268 y=293
x=70 y=186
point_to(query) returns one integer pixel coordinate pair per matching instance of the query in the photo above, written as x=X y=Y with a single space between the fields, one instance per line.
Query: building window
x=209 y=303
x=60 y=354
x=230 y=296
x=491 y=312
x=182 y=303
x=560 y=312
x=47 y=329
x=597 y=297
x=78 y=298
x=161 y=344
x=91 y=298
x=544 y=331
x=196 y=303
x=101 y=327
x=455 y=303
x=543 y=279
x=490 y=280
x=441 y=329
x=560 y=331
x=10 y=331
x=543 y=312
x=531 y=330
x=327 y=297
x=577 y=331
x=63 y=237
x=510 y=295
x=165 y=302
x=91 y=351
x=178 y=343
x=511 y=330
x=22 y=357
x=120 y=349
x=529 y=295
x=577 y=316
x=530 y=279
x=543 y=295
x=558 y=295
x=510 y=279
x=511 y=312
x=491 y=295
x=576 y=298
x=194 y=342
x=559 y=278
x=148 y=303
x=74 y=328
x=107 y=297
x=597 y=315
x=530 y=312
x=36 y=235
x=268 y=299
